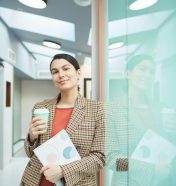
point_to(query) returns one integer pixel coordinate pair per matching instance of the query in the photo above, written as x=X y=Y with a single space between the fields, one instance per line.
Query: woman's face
x=142 y=75
x=64 y=75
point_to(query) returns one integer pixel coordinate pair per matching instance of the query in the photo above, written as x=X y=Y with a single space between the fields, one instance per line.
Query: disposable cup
x=43 y=114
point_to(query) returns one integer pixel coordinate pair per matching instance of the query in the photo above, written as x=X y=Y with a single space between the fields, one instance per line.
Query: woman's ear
x=79 y=73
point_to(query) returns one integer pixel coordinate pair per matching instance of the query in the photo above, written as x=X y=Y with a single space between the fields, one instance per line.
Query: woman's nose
x=61 y=74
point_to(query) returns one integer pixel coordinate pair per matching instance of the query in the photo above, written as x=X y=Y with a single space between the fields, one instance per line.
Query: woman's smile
x=62 y=82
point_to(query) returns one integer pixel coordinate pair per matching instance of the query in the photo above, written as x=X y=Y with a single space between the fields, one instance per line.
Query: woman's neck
x=67 y=99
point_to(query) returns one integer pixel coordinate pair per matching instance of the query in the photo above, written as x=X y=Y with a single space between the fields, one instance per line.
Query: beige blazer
x=86 y=130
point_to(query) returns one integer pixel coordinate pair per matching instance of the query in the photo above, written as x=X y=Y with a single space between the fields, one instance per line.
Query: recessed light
x=52 y=44
x=115 y=45
x=141 y=4
x=83 y=2
x=40 y=4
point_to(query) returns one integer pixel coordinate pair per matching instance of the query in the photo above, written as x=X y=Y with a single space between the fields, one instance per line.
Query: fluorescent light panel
x=39 y=49
x=41 y=25
x=122 y=51
x=51 y=44
x=137 y=24
x=142 y=4
x=40 y=4
x=115 y=45
x=82 y=2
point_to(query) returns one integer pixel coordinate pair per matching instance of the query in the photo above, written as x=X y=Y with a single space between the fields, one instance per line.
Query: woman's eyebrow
x=53 y=69
x=65 y=65
x=61 y=67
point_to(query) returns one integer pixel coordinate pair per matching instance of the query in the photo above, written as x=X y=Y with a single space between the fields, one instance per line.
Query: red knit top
x=61 y=118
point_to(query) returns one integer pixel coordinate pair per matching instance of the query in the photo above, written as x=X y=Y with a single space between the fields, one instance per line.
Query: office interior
x=91 y=32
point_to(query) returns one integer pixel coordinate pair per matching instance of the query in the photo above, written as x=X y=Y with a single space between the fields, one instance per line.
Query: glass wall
x=141 y=114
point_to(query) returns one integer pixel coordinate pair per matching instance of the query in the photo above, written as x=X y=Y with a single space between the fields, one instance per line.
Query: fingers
x=37 y=127
x=36 y=121
x=43 y=169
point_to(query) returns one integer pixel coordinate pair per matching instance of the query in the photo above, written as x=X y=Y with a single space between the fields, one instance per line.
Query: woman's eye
x=54 y=72
x=66 y=69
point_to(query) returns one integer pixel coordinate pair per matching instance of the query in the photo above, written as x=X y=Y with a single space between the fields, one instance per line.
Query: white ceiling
x=61 y=21
x=65 y=22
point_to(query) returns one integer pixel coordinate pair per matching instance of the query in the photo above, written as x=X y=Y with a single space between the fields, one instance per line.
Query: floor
x=12 y=173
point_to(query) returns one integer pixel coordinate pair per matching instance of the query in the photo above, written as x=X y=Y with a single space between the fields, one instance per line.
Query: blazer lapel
x=77 y=115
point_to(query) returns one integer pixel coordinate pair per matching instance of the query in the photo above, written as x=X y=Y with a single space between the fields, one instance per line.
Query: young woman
x=83 y=120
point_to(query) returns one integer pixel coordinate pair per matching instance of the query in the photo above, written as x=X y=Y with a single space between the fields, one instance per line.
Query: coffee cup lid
x=41 y=111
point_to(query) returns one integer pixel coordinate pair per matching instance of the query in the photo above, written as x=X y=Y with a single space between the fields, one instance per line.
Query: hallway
x=11 y=175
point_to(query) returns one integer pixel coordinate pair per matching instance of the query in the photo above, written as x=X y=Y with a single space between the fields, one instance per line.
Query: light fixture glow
x=141 y=4
x=83 y=2
x=51 y=44
x=115 y=45
x=40 y=4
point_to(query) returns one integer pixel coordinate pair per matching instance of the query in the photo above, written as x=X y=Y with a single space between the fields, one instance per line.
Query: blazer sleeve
x=28 y=146
x=77 y=170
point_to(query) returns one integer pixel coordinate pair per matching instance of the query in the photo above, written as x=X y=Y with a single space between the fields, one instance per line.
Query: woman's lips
x=62 y=82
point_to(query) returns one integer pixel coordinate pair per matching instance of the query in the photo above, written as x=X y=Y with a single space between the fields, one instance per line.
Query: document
x=58 y=150
x=154 y=148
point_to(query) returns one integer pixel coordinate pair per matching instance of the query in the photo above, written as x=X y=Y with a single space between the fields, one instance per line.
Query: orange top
x=61 y=118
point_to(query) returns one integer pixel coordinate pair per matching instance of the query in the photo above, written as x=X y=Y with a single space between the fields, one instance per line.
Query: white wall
x=24 y=61
x=17 y=110
x=1 y=113
x=7 y=115
x=33 y=91
x=85 y=73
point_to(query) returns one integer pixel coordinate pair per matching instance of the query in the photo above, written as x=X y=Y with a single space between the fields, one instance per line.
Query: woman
x=83 y=121
x=135 y=115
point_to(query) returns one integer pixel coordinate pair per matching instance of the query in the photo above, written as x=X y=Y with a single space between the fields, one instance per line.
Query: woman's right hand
x=36 y=128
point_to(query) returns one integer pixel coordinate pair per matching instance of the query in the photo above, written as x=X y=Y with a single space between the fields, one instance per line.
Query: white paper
x=58 y=150
x=154 y=148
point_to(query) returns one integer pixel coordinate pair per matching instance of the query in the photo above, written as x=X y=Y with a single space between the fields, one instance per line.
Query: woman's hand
x=52 y=173
x=36 y=128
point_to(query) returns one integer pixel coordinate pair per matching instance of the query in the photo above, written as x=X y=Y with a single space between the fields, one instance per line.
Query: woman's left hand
x=52 y=172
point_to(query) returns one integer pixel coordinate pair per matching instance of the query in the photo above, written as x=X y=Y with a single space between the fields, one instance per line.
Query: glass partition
x=141 y=114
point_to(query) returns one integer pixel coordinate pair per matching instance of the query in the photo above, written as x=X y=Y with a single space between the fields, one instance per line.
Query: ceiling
x=135 y=28
x=29 y=33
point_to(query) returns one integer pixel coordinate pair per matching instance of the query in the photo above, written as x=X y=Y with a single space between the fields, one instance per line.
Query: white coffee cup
x=43 y=114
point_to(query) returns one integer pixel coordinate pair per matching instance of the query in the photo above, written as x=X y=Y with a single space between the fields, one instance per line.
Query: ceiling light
x=115 y=45
x=40 y=4
x=141 y=4
x=83 y=2
x=51 y=44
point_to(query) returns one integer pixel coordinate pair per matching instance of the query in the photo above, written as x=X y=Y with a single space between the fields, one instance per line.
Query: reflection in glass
x=141 y=114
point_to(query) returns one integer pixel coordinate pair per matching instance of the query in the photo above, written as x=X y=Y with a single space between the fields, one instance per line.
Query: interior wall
x=1 y=112
x=17 y=110
x=7 y=115
x=24 y=61
x=33 y=91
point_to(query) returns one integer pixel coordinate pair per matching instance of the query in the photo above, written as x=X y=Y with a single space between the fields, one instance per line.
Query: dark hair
x=138 y=59
x=67 y=57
